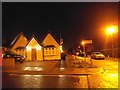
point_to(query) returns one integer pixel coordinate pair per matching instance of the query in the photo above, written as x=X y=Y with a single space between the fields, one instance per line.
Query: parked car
x=97 y=55
x=18 y=58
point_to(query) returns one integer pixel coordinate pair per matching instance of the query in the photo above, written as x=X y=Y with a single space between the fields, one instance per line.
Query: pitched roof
x=33 y=36
x=16 y=38
x=49 y=32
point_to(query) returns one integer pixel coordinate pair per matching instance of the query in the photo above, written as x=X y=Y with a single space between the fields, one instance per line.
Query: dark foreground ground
x=72 y=73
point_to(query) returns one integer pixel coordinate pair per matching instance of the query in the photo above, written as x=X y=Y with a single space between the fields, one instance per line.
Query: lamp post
x=83 y=43
x=110 y=31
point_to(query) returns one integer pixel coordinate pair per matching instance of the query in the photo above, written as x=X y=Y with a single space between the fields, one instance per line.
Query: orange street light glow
x=83 y=43
x=112 y=29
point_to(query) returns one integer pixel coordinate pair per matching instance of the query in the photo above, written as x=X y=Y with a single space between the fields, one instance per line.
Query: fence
x=108 y=52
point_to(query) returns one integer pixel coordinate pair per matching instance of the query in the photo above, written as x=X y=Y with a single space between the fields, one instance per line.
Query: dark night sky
x=74 y=20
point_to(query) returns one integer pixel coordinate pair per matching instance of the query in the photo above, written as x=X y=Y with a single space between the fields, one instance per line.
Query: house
x=19 y=43
x=34 y=50
x=51 y=48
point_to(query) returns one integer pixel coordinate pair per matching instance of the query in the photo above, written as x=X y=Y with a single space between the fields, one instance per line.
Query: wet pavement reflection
x=44 y=81
x=61 y=81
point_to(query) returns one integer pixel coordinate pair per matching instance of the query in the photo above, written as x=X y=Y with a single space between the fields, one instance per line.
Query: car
x=97 y=55
x=18 y=58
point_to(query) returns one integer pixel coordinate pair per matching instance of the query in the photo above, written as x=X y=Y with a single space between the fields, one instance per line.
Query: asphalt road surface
x=107 y=77
x=44 y=81
x=60 y=81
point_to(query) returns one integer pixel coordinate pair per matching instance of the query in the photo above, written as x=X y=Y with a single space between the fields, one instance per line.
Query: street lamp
x=83 y=43
x=110 y=31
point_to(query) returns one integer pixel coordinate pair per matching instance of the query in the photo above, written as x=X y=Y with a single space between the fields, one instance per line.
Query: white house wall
x=28 y=57
x=21 y=42
x=49 y=40
x=32 y=45
x=53 y=57
x=21 y=52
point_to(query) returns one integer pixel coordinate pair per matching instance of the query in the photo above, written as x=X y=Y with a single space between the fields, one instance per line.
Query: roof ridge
x=49 y=32
x=16 y=38
x=33 y=36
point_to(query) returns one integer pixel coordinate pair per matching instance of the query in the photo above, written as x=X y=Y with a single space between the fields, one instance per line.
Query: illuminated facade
x=33 y=50
x=18 y=44
x=51 y=48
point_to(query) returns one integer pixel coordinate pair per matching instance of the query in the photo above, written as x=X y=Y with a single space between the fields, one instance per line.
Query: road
x=45 y=81
x=60 y=81
x=106 y=77
x=109 y=74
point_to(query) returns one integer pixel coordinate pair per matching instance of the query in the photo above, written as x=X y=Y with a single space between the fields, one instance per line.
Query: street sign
x=87 y=41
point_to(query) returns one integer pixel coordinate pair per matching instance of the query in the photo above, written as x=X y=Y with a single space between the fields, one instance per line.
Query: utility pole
x=112 y=46
x=83 y=43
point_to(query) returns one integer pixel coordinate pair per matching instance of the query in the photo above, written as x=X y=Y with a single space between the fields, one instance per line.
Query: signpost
x=85 y=42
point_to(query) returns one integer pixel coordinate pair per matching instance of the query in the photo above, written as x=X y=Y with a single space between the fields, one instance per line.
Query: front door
x=33 y=53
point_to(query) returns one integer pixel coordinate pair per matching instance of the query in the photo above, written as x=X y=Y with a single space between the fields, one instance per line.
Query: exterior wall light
x=38 y=47
x=28 y=48
x=61 y=49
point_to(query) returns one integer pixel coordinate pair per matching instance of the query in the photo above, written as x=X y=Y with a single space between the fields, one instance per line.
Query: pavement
x=71 y=66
